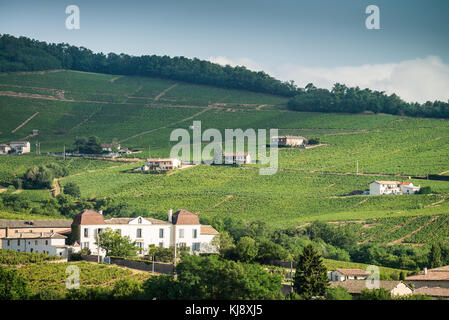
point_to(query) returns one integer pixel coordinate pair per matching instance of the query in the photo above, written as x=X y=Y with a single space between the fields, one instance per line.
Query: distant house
x=107 y=147
x=348 y=274
x=232 y=158
x=20 y=146
x=9 y=227
x=290 y=141
x=125 y=151
x=44 y=242
x=437 y=277
x=355 y=287
x=4 y=148
x=163 y=164
x=392 y=187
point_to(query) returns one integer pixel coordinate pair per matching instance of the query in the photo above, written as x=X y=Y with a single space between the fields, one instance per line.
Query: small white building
x=409 y=188
x=163 y=164
x=107 y=147
x=20 y=146
x=232 y=158
x=4 y=148
x=392 y=187
x=289 y=141
x=44 y=242
x=347 y=274
x=182 y=228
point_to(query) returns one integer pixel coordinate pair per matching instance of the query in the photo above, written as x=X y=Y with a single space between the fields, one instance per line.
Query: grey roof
x=36 y=235
x=13 y=223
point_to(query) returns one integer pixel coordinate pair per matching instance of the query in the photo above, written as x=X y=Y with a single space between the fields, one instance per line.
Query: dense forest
x=24 y=54
x=354 y=100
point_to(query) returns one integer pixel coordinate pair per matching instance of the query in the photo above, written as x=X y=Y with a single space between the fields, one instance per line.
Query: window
x=18 y=242
x=161 y=233
x=31 y=250
x=139 y=220
x=46 y=242
x=139 y=233
x=181 y=233
x=161 y=244
x=35 y=242
x=86 y=232
x=139 y=244
x=9 y=242
x=195 y=233
x=182 y=244
x=85 y=245
x=196 y=246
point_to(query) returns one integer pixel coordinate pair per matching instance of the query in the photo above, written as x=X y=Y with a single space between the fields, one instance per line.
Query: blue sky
x=323 y=41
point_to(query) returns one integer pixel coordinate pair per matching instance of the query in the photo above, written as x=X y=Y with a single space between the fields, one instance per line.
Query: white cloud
x=419 y=79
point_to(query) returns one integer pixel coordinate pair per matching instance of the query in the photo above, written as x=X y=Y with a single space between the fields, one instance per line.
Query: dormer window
x=139 y=220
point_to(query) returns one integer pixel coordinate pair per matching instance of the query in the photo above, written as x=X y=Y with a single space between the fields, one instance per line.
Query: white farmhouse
x=392 y=187
x=44 y=242
x=163 y=164
x=182 y=228
x=347 y=274
x=232 y=158
x=20 y=146
x=289 y=141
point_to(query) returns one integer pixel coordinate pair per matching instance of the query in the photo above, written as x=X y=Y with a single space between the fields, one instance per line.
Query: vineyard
x=11 y=257
x=320 y=183
x=51 y=277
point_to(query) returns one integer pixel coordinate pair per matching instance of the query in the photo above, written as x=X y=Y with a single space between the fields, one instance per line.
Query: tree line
x=24 y=54
x=355 y=100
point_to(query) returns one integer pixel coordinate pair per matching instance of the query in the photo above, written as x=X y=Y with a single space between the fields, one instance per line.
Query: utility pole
x=174 y=264
x=98 y=247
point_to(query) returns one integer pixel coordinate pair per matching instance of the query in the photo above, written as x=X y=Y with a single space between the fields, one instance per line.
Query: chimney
x=425 y=271
x=170 y=215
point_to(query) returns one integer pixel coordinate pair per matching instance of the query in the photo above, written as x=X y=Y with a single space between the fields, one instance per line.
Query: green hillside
x=311 y=183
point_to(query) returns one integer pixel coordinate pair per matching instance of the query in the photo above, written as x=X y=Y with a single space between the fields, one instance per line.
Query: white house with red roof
x=392 y=187
x=182 y=228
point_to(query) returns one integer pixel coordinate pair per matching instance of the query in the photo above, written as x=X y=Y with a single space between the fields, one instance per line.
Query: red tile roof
x=208 y=230
x=88 y=217
x=185 y=217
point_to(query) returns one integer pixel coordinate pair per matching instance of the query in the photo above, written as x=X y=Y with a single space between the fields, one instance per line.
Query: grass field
x=311 y=184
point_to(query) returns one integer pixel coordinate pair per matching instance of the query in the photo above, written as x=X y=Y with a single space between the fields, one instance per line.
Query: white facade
x=409 y=188
x=232 y=158
x=20 y=146
x=147 y=231
x=163 y=164
x=51 y=244
x=392 y=187
x=292 y=141
x=4 y=148
x=347 y=274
